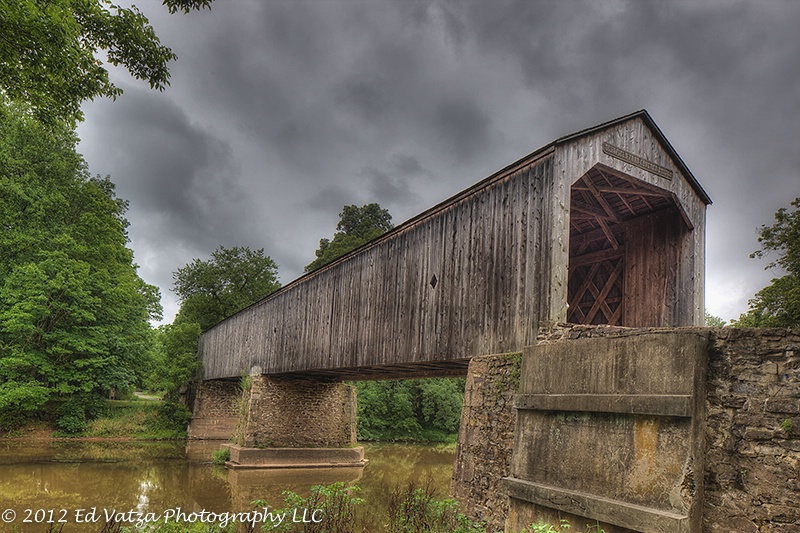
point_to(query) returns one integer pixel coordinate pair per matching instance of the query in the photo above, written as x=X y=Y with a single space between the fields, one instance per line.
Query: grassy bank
x=140 y=419
x=117 y=419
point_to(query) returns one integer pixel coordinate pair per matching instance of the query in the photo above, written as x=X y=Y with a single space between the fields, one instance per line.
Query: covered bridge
x=604 y=226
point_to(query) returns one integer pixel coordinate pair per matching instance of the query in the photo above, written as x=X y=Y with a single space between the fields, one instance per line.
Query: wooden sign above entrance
x=634 y=159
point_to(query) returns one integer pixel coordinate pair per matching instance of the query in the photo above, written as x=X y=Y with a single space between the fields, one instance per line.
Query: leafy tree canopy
x=778 y=304
x=74 y=314
x=413 y=409
x=230 y=281
x=714 y=321
x=175 y=360
x=357 y=226
x=50 y=52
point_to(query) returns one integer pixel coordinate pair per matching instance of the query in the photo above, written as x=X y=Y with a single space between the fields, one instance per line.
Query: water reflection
x=156 y=476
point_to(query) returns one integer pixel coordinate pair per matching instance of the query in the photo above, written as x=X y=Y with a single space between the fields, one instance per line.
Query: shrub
x=19 y=402
x=221 y=456
x=174 y=416
x=72 y=417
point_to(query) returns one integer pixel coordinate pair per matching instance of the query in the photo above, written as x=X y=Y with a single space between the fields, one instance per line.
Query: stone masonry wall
x=486 y=438
x=215 y=410
x=752 y=463
x=300 y=414
x=753 y=431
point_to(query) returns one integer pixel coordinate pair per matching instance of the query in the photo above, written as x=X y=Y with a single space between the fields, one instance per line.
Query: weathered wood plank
x=499 y=252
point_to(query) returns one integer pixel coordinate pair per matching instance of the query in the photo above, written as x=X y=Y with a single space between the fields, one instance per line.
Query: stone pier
x=300 y=413
x=216 y=410
x=298 y=423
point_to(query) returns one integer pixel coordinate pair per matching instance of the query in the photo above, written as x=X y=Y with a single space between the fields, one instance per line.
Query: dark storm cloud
x=394 y=183
x=462 y=125
x=167 y=166
x=280 y=113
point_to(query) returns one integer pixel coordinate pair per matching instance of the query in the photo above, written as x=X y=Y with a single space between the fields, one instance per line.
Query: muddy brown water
x=75 y=481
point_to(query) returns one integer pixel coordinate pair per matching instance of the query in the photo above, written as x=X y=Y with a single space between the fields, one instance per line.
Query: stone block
x=782 y=405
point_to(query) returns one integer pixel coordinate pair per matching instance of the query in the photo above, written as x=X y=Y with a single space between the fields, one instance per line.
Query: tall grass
x=150 y=420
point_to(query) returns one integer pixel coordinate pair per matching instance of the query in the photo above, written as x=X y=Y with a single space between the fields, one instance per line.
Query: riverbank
x=113 y=474
x=140 y=419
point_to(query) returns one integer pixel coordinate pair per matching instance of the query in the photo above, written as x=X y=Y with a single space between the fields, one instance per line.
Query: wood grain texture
x=379 y=307
x=499 y=252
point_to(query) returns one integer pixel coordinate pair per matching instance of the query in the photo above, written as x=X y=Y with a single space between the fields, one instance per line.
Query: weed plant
x=221 y=456
x=412 y=509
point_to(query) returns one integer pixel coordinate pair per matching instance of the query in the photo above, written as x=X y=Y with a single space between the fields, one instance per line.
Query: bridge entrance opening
x=626 y=241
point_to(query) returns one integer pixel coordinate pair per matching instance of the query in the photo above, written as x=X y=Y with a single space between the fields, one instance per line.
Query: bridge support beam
x=300 y=413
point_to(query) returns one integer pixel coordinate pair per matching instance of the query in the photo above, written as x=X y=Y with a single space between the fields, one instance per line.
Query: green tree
x=74 y=314
x=714 y=321
x=49 y=52
x=778 y=304
x=210 y=291
x=232 y=279
x=412 y=409
x=175 y=362
x=357 y=226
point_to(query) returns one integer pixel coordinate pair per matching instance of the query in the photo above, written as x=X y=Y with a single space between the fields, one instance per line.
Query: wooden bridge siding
x=575 y=157
x=492 y=252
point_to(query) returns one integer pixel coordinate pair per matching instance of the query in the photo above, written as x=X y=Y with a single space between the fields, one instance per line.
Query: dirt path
x=143 y=396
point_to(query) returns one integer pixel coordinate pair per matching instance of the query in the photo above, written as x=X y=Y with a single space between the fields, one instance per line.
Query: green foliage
x=232 y=279
x=72 y=419
x=357 y=226
x=148 y=420
x=174 y=361
x=563 y=527
x=210 y=291
x=411 y=510
x=221 y=456
x=336 y=506
x=547 y=528
x=19 y=401
x=775 y=306
x=414 y=509
x=49 y=52
x=787 y=426
x=778 y=304
x=714 y=321
x=74 y=314
x=173 y=416
x=422 y=409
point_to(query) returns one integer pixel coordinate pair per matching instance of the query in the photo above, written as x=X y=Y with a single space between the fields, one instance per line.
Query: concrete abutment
x=696 y=431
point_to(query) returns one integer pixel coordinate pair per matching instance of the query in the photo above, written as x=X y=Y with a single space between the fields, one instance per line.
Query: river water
x=43 y=481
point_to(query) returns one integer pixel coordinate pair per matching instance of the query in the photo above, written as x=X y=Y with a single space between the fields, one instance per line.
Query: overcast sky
x=281 y=112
